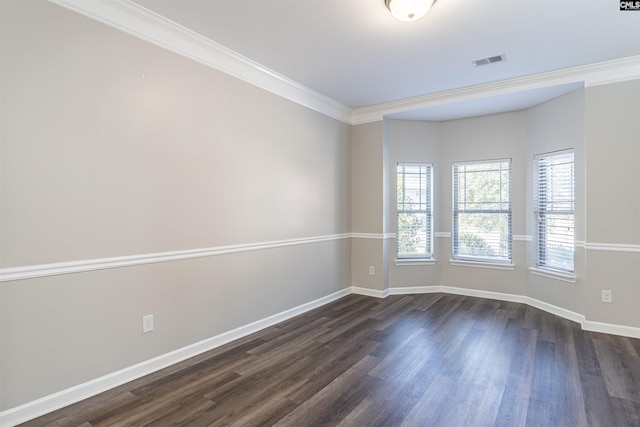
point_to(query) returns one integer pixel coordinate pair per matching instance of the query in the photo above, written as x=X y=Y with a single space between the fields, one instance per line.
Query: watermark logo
x=630 y=5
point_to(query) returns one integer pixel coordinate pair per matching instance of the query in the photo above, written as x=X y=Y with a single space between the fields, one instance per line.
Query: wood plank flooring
x=413 y=360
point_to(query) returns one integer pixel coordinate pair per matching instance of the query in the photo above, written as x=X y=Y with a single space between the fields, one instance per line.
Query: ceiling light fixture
x=409 y=10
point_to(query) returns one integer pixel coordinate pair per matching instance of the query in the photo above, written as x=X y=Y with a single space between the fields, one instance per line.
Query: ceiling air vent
x=489 y=60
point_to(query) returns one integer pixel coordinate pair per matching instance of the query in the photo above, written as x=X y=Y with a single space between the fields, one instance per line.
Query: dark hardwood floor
x=414 y=360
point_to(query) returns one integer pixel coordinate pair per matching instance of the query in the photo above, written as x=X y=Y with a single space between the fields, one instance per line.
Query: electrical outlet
x=147 y=323
x=607 y=296
x=372 y=270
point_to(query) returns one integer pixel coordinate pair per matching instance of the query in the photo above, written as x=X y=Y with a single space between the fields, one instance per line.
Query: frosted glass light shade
x=409 y=10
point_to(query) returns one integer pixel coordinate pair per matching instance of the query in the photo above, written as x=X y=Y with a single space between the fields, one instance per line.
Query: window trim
x=553 y=274
x=415 y=261
x=483 y=264
x=541 y=269
x=428 y=256
x=479 y=261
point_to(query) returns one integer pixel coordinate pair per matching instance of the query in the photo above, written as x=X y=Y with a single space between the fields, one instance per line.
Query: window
x=415 y=217
x=554 y=209
x=482 y=211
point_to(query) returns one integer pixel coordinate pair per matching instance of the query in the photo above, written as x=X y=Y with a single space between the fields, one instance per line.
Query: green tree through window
x=482 y=210
x=414 y=209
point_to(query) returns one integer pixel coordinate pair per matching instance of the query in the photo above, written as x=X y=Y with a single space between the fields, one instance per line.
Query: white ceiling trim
x=147 y=25
x=591 y=75
x=138 y=21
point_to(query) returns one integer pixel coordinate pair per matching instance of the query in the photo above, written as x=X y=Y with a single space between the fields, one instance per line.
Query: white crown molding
x=591 y=75
x=43 y=270
x=83 y=391
x=618 y=70
x=140 y=22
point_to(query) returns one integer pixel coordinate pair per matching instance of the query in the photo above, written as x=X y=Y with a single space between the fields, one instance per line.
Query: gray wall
x=113 y=147
x=499 y=136
x=414 y=141
x=368 y=206
x=613 y=202
x=601 y=125
x=480 y=138
x=553 y=126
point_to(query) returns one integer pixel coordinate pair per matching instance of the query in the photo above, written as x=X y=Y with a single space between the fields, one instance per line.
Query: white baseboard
x=609 y=328
x=457 y=291
x=52 y=402
x=369 y=292
x=558 y=311
x=587 y=325
x=500 y=296
x=416 y=290
x=66 y=397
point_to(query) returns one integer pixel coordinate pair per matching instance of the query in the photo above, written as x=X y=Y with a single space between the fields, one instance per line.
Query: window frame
x=541 y=213
x=407 y=257
x=479 y=259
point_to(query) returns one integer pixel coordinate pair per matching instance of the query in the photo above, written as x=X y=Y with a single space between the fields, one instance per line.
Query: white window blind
x=414 y=208
x=482 y=210
x=554 y=184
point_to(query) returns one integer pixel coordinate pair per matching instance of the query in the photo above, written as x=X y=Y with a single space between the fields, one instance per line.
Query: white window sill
x=483 y=264
x=552 y=274
x=415 y=261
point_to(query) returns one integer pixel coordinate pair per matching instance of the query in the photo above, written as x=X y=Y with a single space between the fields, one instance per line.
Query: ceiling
x=356 y=53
